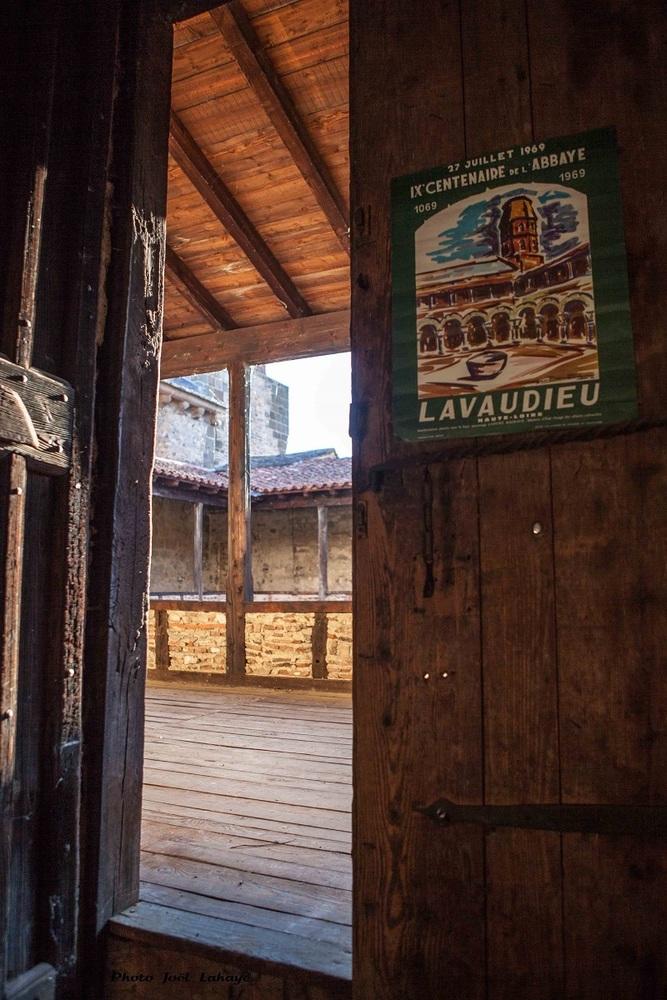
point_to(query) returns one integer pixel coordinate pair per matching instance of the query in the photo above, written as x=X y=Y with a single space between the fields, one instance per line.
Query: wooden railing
x=319 y=673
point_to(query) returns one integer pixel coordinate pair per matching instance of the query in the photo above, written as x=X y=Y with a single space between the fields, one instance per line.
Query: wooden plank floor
x=246 y=820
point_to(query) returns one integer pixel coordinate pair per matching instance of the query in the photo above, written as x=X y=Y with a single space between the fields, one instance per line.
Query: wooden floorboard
x=246 y=820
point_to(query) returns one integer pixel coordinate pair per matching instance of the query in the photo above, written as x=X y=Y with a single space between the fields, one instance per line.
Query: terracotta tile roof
x=307 y=475
x=193 y=475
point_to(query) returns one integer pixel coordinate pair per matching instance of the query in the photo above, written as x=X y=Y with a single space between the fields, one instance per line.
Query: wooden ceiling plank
x=194 y=163
x=192 y=290
x=327 y=333
x=258 y=70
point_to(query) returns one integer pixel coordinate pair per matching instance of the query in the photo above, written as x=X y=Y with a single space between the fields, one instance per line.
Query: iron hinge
x=612 y=820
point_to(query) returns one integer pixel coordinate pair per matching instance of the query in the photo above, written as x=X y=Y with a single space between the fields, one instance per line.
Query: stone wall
x=277 y=645
x=172 y=564
x=339 y=646
x=200 y=438
x=185 y=437
x=284 y=556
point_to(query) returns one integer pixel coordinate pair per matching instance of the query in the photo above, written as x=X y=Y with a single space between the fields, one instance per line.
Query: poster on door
x=510 y=293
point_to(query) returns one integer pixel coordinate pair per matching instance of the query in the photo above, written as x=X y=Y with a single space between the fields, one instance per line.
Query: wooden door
x=40 y=516
x=84 y=125
x=509 y=608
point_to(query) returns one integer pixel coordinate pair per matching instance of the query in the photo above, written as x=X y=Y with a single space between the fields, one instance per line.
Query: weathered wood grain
x=36 y=639
x=521 y=738
x=609 y=67
x=126 y=410
x=319 y=646
x=249 y=882
x=162 y=656
x=418 y=715
x=36 y=415
x=21 y=773
x=608 y=584
x=158 y=939
x=239 y=540
x=419 y=897
x=610 y=598
x=390 y=141
x=13 y=485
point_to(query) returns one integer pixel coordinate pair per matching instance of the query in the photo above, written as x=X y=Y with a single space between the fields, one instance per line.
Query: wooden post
x=239 y=577
x=319 y=645
x=162 y=659
x=323 y=551
x=198 y=550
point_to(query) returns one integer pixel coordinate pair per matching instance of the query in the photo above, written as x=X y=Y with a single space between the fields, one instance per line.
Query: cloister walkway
x=246 y=820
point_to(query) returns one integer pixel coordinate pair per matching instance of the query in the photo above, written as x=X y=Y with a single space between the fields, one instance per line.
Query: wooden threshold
x=229 y=943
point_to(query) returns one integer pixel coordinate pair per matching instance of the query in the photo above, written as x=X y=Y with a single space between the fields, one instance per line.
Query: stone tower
x=519 y=242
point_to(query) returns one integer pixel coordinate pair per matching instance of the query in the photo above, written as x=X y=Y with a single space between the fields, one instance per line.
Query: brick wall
x=277 y=645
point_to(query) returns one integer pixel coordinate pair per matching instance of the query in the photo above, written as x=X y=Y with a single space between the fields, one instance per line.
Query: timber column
x=239 y=571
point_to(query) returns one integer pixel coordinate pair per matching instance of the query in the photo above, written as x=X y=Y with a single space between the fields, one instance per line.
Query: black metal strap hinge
x=619 y=820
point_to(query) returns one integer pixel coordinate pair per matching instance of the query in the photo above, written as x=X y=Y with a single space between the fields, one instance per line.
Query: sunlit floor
x=246 y=820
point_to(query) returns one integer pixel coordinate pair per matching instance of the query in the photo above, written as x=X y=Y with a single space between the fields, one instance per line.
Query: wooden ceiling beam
x=227 y=210
x=237 y=30
x=284 y=340
x=192 y=290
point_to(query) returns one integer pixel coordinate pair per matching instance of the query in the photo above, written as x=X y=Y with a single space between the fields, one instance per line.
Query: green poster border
x=618 y=394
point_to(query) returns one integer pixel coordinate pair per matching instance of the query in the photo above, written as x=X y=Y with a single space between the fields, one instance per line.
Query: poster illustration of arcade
x=510 y=293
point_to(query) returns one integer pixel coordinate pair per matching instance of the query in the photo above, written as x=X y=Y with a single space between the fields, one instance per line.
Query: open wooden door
x=84 y=122
x=509 y=607
x=40 y=580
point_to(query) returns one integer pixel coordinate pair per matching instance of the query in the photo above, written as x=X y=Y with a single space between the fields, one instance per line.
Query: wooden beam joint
x=194 y=292
x=227 y=210
x=328 y=333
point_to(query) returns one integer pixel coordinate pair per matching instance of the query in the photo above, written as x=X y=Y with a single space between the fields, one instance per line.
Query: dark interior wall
x=534 y=673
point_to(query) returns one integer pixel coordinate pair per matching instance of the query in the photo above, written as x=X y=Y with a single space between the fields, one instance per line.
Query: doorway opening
x=247 y=769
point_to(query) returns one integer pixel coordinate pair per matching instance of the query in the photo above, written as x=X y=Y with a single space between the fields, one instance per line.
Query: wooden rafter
x=235 y=26
x=222 y=203
x=192 y=290
x=328 y=333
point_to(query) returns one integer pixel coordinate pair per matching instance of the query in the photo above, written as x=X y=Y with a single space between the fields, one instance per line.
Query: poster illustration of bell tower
x=504 y=292
x=510 y=299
